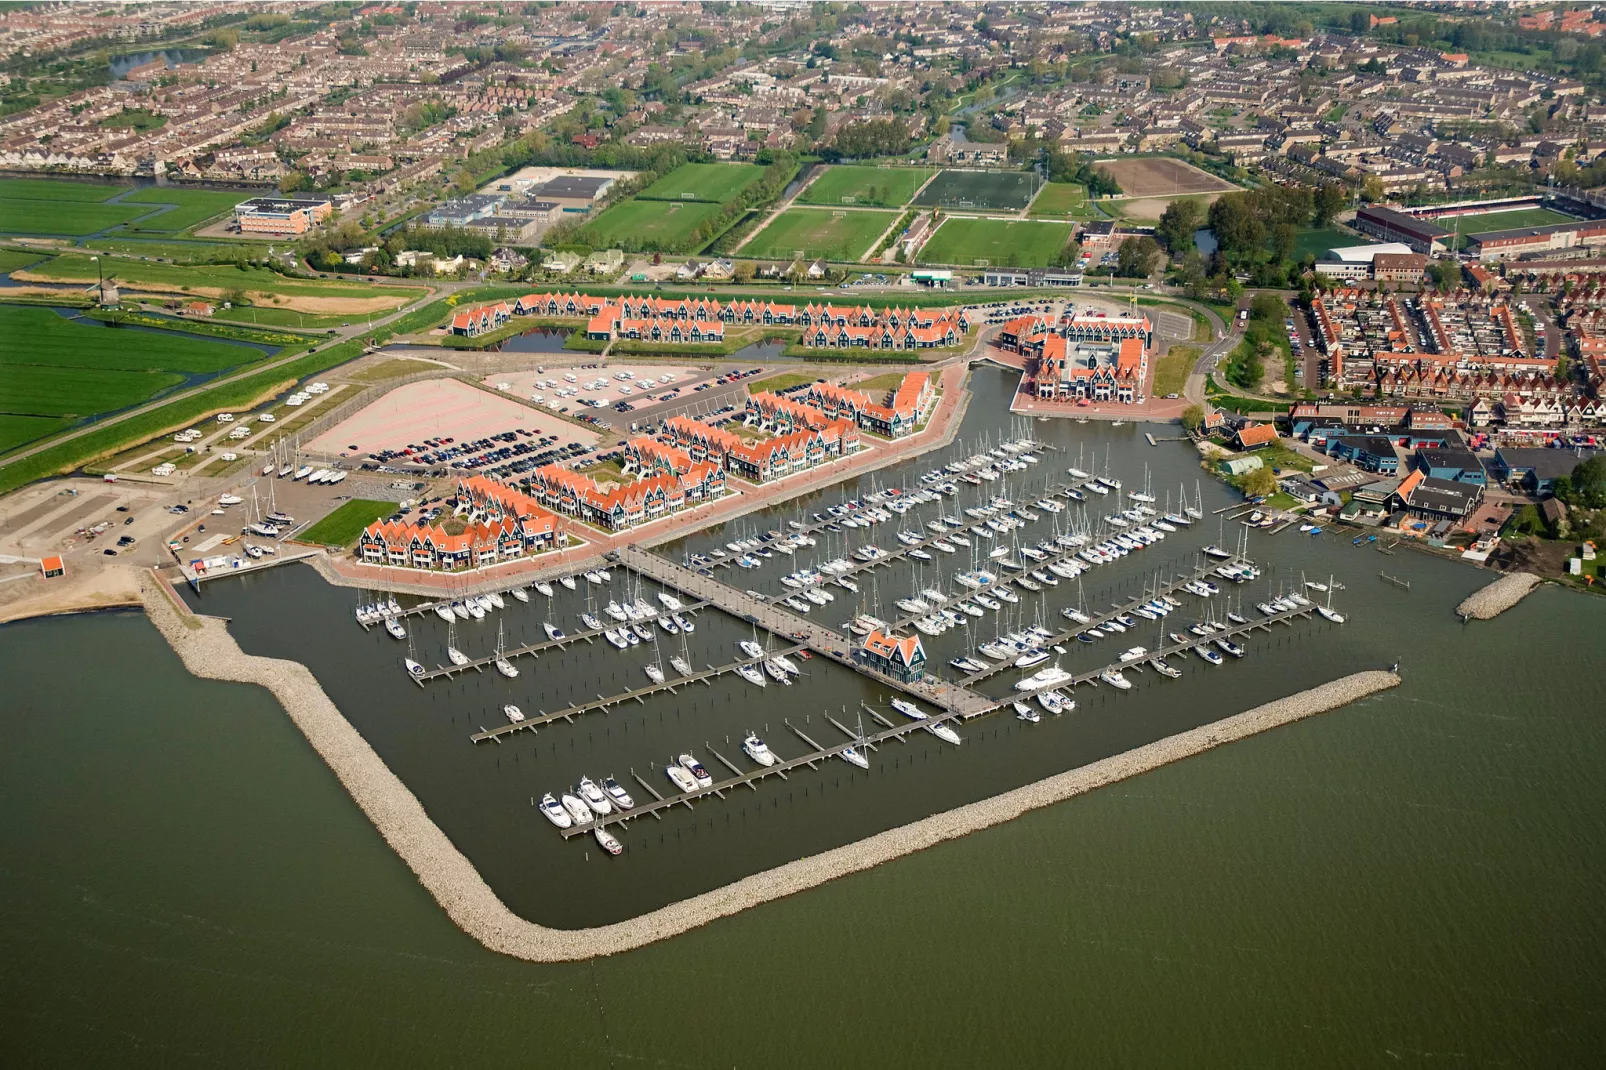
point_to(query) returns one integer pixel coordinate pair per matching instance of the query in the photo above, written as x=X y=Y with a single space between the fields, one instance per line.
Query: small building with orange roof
x=901 y=657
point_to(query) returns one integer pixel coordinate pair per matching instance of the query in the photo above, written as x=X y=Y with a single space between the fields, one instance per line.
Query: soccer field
x=657 y=226
x=1001 y=242
x=884 y=187
x=39 y=206
x=1060 y=199
x=193 y=206
x=1490 y=222
x=820 y=232
x=999 y=190
x=717 y=182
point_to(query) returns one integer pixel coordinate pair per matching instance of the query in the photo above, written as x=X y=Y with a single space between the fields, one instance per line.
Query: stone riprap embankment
x=1498 y=597
x=208 y=650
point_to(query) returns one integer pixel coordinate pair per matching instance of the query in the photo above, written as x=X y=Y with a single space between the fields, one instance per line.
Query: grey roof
x=1465 y=460
x=1544 y=463
x=574 y=187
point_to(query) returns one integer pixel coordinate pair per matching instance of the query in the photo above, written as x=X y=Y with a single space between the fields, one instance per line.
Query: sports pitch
x=659 y=226
x=820 y=232
x=1161 y=176
x=1489 y=222
x=884 y=187
x=1000 y=242
x=716 y=182
x=1059 y=199
x=1007 y=191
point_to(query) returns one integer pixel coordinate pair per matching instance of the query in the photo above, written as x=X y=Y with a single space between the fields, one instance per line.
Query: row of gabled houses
x=499 y=524
x=1084 y=358
x=669 y=482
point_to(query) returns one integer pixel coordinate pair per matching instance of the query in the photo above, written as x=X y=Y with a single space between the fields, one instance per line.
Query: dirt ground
x=1150 y=209
x=73 y=593
x=1161 y=176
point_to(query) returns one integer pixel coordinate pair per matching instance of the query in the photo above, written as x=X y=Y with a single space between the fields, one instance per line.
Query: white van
x=570 y=377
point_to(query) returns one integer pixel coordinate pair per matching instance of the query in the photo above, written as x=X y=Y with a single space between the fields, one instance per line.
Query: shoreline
x=210 y=652
x=1490 y=601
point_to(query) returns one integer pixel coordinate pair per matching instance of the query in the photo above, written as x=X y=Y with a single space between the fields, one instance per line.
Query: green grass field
x=1171 y=371
x=341 y=527
x=180 y=250
x=999 y=190
x=780 y=382
x=12 y=259
x=662 y=226
x=717 y=182
x=48 y=189
x=193 y=206
x=20 y=430
x=54 y=367
x=39 y=206
x=1059 y=200
x=1316 y=241
x=820 y=232
x=883 y=187
x=78 y=268
x=1001 y=242
x=1489 y=222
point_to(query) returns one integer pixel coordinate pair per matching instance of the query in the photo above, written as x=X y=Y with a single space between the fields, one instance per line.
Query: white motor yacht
x=1114 y=678
x=554 y=812
x=577 y=809
x=681 y=779
x=908 y=709
x=1030 y=658
x=758 y=751
x=393 y=626
x=1137 y=653
x=1053 y=676
x=592 y=796
x=690 y=763
x=751 y=649
x=618 y=796
x=513 y=713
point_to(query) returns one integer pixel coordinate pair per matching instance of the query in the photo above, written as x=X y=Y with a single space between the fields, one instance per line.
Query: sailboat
x=454 y=655
x=503 y=666
x=1327 y=610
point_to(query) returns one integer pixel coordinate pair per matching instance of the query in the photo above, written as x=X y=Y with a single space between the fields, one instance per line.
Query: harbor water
x=1411 y=879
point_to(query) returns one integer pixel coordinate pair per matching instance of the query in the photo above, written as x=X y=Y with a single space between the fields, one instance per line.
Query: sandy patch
x=646 y=381
x=103 y=589
x=437 y=408
x=1161 y=176
x=1150 y=209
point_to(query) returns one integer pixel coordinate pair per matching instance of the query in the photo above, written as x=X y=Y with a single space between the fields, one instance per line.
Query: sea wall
x=208 y=650
x=1497 y=597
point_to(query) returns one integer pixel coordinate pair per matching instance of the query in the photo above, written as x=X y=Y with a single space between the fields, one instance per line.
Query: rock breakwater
x=1497 y=597
x=208 y=650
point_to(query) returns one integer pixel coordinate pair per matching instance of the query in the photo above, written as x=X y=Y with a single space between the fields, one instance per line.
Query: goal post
x=839 y=214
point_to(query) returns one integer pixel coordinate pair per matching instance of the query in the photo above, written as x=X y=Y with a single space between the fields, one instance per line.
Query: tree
x=1260 y=483
x=1178 y=223
x=291 y=182
x=1137 y=257
x=1330 y=200
x=1267 y=308
x=1446 y=274
x=1193 y=418
x=1372 y=189
x=1282 y=241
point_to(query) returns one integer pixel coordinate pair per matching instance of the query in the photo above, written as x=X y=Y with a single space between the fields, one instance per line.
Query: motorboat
x=1030 y=658
x=1053 y=676
x=681 y=779
x=592 y=796
x=456 y=656
x=758 y=751
x=393 y=626
x=579 y=811
x=607 y=841
x=1137 y=653
x=750 y=674
x=853 y=757
x=513 y=713
x=751 y=648
x=554 y=812
x=1114 y=678
x=506 y=667
x=553 y=631
x=690 y=763
x=618 y=796
x=654 y=673
x=908 y=709
x=1026 y=713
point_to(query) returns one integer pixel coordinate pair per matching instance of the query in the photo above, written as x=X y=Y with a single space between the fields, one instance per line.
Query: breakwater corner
x=1499 y=596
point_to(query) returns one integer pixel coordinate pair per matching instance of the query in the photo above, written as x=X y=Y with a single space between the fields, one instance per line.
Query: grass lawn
x=192 y=206
x=12 y=259
x=341 y=527
x=1017 y=243
x=394 y=368
x=1171 y=370
x=40 y=206
x=181 y=250
x=268 y=316
x=1060 y=199
x=1492 y=221
x=820 y=232
x=46 y=189
x=883 y=383
x=1314 y=241
x=656 y=225
x=20 y=430
x=780 y=382
x=717 y=182
x=134 y=119
x=54 y=367
x=884 y=187
x=221 y=278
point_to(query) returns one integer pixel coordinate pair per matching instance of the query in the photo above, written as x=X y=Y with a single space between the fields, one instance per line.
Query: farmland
x=12 y=259
x=55 y=367
x=998 y=241
x=218 y=281
x=192 y=206
x=999 y=190
x=820 y=232
x=39 y=206
x=661 y=226
x=885 y=187
x=342 y=526
x=20 y=430
x=715 y=182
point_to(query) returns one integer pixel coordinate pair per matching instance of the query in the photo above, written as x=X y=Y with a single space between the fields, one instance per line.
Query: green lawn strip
x=884 y=187
x=661 y=226
x=1513 y=220
x=180 y=250
x=113 y=438
x=193 y=206
x=79 y=268
x=1015 y=243
x=20 y=430
x=716 y=182
x=71 y=218
x=45 y=189
x=12 y=259
x=209 y=328
x=38 y=336
x=1171 y=370
x=880 y=383
x=777 y=383
x=40 y=390
x=341 y=527
x=820 y=232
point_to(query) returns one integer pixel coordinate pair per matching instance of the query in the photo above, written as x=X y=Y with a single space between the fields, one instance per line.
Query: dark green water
x=1413 y=879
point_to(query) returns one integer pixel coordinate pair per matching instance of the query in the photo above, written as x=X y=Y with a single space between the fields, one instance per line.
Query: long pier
x=639 y=693
x=533 y=649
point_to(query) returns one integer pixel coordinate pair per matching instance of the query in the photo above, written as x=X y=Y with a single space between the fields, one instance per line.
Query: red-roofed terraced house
x=501 y=524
